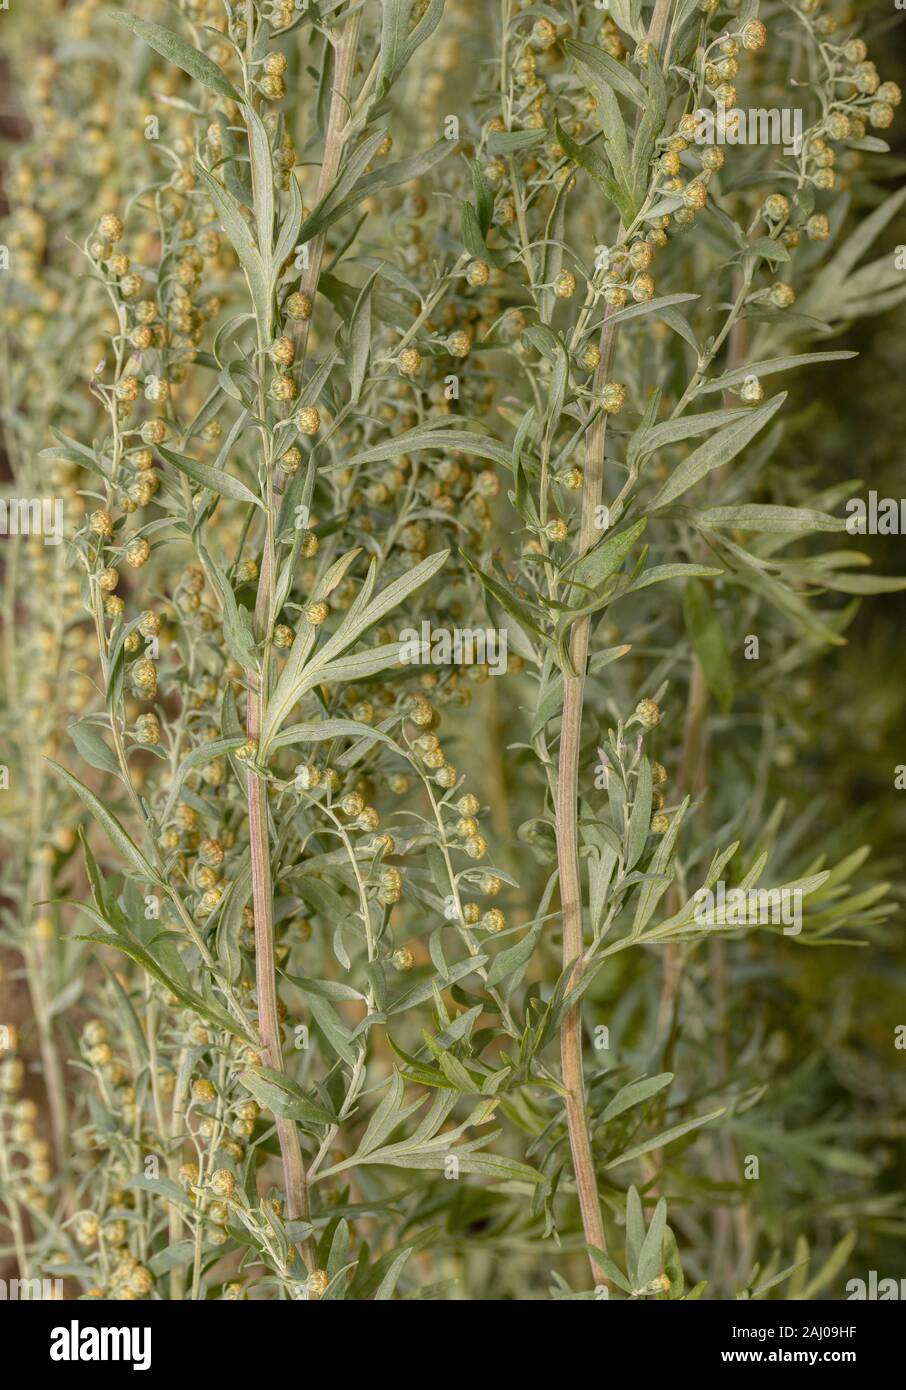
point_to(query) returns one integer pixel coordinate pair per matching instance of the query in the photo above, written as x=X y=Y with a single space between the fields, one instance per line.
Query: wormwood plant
x=510 y=377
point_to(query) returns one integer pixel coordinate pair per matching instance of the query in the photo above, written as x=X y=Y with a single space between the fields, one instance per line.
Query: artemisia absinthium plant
x=284 y=457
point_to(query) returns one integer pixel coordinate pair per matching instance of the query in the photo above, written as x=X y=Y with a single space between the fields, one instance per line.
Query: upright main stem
x=297 y=1207
x=568 y=793
x=568 y=842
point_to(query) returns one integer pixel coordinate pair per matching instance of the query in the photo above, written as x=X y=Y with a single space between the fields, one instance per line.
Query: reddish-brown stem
x=567 y=842
x=297 y=1208
x=567 y=799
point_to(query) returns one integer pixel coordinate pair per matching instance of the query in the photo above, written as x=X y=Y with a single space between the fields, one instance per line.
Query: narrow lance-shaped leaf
x=607 y=70
x=605 y=558
x=262 y=183
x=238 y=231
x=324 y=665
x=716 y=452
x=110 y=825
x=769 y=366
x=360 y=341
x=588 y=158
x=640 y=817
x=213 y=478
x=755 y=516
x=178 y=51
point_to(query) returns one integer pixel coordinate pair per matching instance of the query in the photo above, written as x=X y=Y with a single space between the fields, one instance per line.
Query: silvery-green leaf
x=360 y=342
x=335 y=1032
x=92 y=746
x=358 y=665
x=769 y=366
x=756 y=516
x=236 y=623
x=634 y=1093
x=421 y=438
x=213 y=478
x=288 y=237
x=605 y=558
x=237 y=229
x=330 y=208
x=176 y=50
x=514 y=958
x=674 y=319
x=640 y=816
x=635 y=1228
x=716 y=452
x=658 y=574
x=262 y=182
x=526 y=617
x=653 y=890
x=649 y=306
x=650 y=1259
x=229 y=920
x=473 y=240
x=647 y=441
x=388 y=176
x=607 y=70
x=282 y=1096
x=587 y=156
x=110 y=825
x=824 y=291
x=328 y=729
x=508 y=141
x=668 y=1136
x=862 y=583
x=387 y=1286
x=188 y=998
x=283 y=698
x=398 y=41
x=608 y=1268
x=359 y=620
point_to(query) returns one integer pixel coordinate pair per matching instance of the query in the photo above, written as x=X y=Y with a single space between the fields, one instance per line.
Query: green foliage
x=306 y=402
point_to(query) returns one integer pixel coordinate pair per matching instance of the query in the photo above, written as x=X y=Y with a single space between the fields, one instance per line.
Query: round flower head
x=782 y=295
x=298 y=306
x=880 y=114
x=648 y=713
x=223 y=1183
x=409 y=362
x=111 y=227
x=776 y=207
x=754 y=35
x=459 y=344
